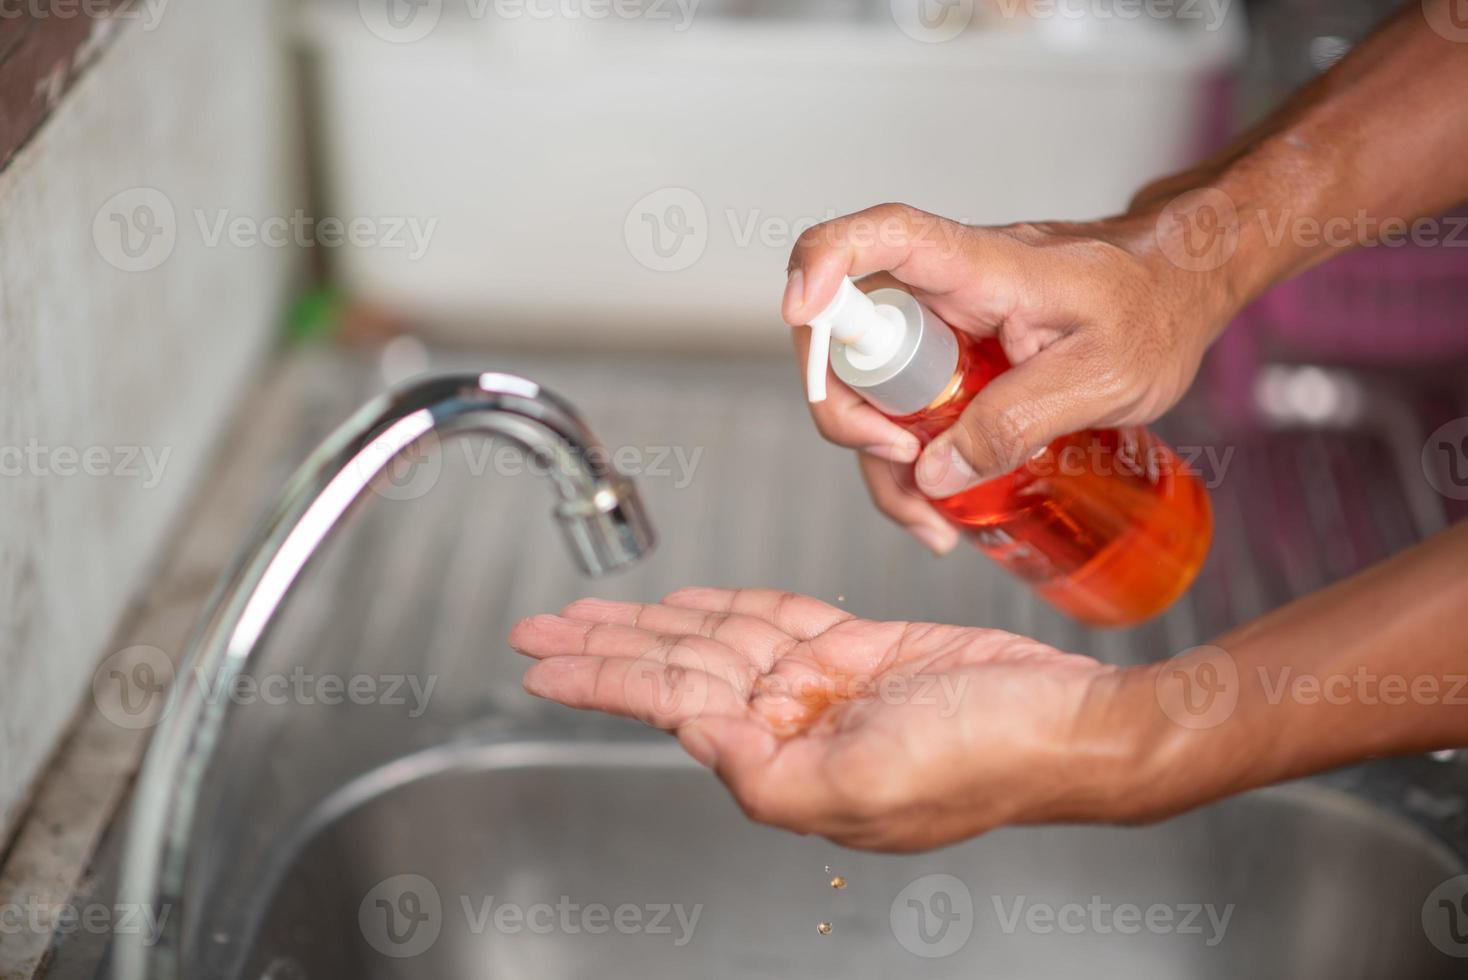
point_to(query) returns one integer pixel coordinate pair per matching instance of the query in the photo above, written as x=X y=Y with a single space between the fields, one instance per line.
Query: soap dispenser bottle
x=1107 y=525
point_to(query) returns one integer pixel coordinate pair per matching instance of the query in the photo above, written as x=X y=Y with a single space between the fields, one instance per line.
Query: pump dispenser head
x=871 y=332
x=887 y=346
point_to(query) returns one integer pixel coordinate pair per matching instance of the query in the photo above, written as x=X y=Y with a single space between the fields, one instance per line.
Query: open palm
x=882 y=735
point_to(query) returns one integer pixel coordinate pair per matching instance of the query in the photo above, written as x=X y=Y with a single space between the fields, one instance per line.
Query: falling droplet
x=840 y=598
x=824 y=928
x=838 y=882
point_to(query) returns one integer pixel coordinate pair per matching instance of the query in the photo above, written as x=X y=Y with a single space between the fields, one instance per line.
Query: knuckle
x=813 y=237
x=1003 y=436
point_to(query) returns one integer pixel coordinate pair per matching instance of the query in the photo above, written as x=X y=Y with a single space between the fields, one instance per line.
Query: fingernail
x=794 y=300
x=942 y=473
x=697 y=744
x=903 y=450
x=940 y=541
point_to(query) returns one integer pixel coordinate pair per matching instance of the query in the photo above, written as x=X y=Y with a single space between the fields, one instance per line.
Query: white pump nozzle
x=872 y=332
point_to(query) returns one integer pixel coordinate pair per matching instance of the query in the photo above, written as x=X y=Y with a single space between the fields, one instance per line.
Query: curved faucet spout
x=597 y=507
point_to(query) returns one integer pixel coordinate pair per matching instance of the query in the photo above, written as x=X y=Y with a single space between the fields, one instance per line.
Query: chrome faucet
x=598 y=509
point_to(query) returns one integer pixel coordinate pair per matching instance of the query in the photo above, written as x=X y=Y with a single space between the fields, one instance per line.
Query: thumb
x=1022 y=411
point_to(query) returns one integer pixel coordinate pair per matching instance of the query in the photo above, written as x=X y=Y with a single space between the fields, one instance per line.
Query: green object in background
x=317 y=315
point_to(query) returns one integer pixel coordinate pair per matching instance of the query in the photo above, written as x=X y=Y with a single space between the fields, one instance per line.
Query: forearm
x=1378 y=141
x=1373 y=666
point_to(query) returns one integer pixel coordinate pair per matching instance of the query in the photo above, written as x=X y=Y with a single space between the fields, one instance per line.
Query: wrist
x=1173 y=737
x=1236 y=227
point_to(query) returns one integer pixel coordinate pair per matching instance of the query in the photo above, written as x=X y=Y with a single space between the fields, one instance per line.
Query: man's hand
x=888 y=736
x=1103 y=327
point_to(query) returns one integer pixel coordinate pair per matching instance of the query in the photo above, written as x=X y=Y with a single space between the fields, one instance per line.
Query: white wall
x=95 y=359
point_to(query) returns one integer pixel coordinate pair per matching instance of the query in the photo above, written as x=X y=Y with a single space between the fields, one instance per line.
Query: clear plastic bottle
x=1107 y=525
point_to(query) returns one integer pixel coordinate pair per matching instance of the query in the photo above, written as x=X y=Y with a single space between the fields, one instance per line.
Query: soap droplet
x=824 y=928
x=828 y=869
x=840 y=598
x=838 y=882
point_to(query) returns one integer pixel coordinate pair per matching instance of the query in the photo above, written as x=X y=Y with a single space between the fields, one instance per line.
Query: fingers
x=917 y=247
x=797 y=615
x=760 y=642
x=1058 y=391
x=664 y=695
x=544 y=637
x=846 y=420
x=907 y=507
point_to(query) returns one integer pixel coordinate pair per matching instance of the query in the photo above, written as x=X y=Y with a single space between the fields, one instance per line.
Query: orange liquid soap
x=1107 y=525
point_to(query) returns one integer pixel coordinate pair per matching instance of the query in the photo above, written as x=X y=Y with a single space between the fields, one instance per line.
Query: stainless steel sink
x=320 y=824
x=491 y=860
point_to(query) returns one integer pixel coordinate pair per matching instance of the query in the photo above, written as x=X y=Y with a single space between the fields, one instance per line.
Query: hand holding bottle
x=1102 y=328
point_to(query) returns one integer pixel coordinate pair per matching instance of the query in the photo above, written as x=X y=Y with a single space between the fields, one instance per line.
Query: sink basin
x=621 y=859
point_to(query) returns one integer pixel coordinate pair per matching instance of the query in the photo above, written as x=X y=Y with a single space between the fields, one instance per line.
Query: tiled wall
x=121 y=357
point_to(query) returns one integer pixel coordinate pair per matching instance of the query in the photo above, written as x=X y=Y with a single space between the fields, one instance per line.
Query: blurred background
x=224 y=225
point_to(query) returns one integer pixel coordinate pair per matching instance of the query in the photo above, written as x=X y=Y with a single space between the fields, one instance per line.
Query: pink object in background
x=1384 y=304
